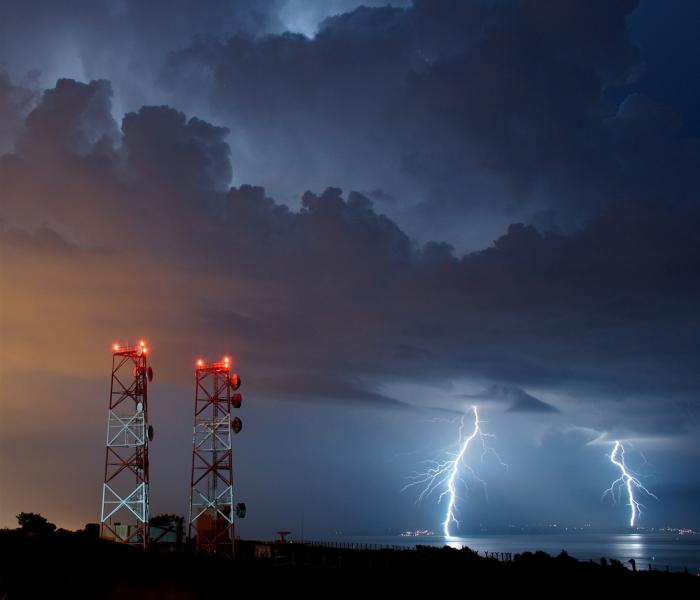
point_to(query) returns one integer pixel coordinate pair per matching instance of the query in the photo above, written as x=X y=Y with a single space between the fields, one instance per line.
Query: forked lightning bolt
x=445 y=475
x=628 y=481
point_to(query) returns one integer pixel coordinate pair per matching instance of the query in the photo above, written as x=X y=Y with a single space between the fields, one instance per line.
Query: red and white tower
x=125 y=493
x=212 y=511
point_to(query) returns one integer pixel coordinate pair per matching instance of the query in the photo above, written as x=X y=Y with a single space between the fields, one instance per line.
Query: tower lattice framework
x=212 y=510
x=125 y=491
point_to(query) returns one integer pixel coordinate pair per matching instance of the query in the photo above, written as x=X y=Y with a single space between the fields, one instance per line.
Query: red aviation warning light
x=125 y=490
x=212 y=510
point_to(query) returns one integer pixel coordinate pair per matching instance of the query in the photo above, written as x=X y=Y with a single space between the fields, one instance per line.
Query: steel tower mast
x=125 y=492
x=212 y=510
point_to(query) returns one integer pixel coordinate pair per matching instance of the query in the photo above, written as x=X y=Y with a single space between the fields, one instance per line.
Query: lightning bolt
x=627 y=480
x=445 y=474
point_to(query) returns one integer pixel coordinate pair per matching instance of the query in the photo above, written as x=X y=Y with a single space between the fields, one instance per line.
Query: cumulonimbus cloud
x=334 y=289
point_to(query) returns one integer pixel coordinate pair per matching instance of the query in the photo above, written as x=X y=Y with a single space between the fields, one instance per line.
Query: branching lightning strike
x=445 y=474
x=627 y=480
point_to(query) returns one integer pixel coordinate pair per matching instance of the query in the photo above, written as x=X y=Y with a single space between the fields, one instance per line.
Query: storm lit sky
x=386 y=214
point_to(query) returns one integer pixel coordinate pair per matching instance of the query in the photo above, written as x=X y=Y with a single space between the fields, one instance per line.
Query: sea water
x=660 y=550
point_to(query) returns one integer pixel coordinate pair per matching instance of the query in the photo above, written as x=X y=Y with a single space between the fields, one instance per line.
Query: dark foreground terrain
x=75 y=565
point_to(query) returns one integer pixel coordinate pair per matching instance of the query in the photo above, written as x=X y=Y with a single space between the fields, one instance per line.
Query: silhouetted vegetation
x=79 y=565
x=34 y=523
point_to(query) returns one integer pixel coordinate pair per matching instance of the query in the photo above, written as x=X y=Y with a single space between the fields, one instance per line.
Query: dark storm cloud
x=162 y=146
x=473 y=114
x=315 y=385
x=71 y=118
x=481 y=111
x=518 y=399
x=88 y=36
x=333 y=290
x=127 y=41
x=15 y=103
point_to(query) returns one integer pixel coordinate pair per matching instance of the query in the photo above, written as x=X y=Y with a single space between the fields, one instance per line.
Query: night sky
x=386 y=214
